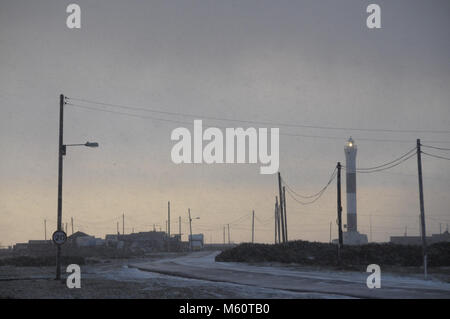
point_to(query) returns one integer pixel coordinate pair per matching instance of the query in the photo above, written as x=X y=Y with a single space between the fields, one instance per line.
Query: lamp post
x=190 y=227
x=62 y=152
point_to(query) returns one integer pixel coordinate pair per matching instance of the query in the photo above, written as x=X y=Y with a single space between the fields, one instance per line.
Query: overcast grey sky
x=305 y=62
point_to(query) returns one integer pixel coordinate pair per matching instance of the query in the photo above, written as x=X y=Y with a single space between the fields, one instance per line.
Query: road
x=333 y=284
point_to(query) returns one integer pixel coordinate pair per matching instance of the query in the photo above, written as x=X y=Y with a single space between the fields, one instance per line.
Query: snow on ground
x=197 y=275
x=208 y=261
x=216 y=289
x=202 y=265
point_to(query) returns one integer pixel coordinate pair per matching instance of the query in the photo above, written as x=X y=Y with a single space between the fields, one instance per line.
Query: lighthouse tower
x=350 y=158
x=352 y=236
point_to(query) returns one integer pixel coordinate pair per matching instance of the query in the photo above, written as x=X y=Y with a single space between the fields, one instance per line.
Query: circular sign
x=59 y=237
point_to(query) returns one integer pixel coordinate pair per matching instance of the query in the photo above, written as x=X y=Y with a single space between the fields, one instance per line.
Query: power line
x=314 y=195
x=437 y=156
x=388 y=167
x=145 y=109
x=128 y=114
x=314 y=200
x=436 y=148
x=388 y=163
x=133 y=115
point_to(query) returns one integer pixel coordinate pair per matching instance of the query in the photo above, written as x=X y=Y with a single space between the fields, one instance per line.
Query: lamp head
x=91 y=144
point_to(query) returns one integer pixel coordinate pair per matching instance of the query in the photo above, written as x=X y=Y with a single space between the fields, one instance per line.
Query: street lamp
x=190 y=227
x=62 y=152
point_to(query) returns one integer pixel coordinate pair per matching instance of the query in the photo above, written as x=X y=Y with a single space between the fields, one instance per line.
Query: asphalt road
x=201 y=265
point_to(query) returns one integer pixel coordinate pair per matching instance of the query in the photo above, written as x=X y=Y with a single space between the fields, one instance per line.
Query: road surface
x=202 y=266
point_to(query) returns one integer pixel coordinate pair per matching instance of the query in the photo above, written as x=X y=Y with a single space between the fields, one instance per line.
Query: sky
x=299 y=62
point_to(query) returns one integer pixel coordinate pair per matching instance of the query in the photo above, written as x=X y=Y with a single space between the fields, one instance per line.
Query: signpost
x=59 y=237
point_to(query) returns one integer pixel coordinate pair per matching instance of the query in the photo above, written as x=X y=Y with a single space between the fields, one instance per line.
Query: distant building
x=152 y=240
x=20 y=247
x=74 y=236
x=35 y=247
x=89 y=241
x=196 y=241
x=81 y=239
x=417 y=240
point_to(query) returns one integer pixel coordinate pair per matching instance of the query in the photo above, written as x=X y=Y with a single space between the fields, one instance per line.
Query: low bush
x=323 y=254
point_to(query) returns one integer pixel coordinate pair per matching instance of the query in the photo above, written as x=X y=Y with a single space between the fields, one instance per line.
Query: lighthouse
x=352 y=236
x=350 y=159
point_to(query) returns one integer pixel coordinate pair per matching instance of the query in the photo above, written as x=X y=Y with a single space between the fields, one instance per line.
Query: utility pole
x=330 y=231
x=168 y=225
x=45 y=229
x=339 y=210
x=224 y=235
x=61 y=152
x=71 y=221
x=422 y=209
x=281 y=208
x=285 y=214
x=179 y=226
x=253 y=227
x=190 y=228
x=118 y=233
x=123 y=224
x=275 y=221
x=278 y=220
x=229 y=240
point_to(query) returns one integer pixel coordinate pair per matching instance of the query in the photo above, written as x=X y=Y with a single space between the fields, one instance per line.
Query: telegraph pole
x=281 y=208
x=123 y=224
x=275 y=221
x=253 y=227
x=422 y=209
x=330 y=231
x=45 y=229
x=190 y=228
x=61 y=153
x=168 y=225
x=229 y=241
x=71 y=221
x=224 y=235
x=179 y=226
x=285 y=214
x=339 y=210
x=278 y=220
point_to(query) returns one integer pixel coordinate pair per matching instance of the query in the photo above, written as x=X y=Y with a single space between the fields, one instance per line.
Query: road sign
x=59 y=237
